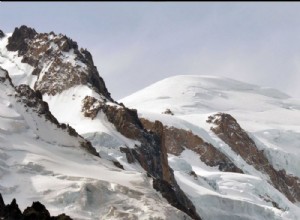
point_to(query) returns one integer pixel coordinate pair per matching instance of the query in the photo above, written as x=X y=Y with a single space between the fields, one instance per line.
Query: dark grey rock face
x=19 y=38
x=36 y=211
x=58 y=62
x=1 y=34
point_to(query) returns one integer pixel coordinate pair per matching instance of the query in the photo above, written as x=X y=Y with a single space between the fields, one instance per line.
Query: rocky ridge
x=34 y=212
x=176 y=140
x=228 y=129
x=58 y=62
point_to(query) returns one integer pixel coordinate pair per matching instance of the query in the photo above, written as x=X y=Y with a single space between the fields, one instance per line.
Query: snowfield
x=39 y=161
x=270 y=117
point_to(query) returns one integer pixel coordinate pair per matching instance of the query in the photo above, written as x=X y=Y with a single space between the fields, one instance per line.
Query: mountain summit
x=56 y=62
x=189 y=147
x=52 y=68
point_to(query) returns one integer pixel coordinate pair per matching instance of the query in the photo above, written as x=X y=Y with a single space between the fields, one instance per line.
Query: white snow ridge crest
x=198 y=147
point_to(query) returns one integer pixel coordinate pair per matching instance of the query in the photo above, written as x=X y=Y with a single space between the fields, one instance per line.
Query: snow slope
x=67 y=179
x=271 y=118
x=39 y=161
x=67 y=105
x=51 y=164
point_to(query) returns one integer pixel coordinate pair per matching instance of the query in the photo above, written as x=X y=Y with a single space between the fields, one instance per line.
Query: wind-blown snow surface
x=48 y=165
x=272 y=119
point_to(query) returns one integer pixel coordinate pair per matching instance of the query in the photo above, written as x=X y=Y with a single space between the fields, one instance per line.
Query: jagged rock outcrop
x=18 y=41
x=118 y=164
x=151 y=154
x=5 y=77
x=2 y=206
x=58 y=62
x=1 y=34
x=168 y=112
x=128 y=153
x=36 y=211
x=176 y=139
x=91 y=107
x=227 y=129
x=12 y=211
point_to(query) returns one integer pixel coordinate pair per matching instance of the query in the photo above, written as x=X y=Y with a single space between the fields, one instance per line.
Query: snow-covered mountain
x=197 y=147
x=49 y=162
x=258 y=129
x=45 y=160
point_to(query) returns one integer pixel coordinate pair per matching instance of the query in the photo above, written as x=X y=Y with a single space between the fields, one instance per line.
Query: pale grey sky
x=136 y=44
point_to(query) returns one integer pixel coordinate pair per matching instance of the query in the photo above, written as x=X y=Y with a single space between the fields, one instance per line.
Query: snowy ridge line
x=191 y=99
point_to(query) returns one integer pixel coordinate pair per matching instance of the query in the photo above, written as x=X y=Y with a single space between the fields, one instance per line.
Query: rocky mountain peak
x=35 y=211
x=17 y=42
x=58 y=62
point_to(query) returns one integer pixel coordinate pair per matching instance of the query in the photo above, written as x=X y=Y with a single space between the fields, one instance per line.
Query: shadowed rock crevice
x=176 y=139
x=227 y=129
